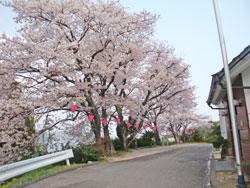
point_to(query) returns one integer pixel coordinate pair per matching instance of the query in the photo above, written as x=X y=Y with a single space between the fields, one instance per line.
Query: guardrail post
x=15 y=169
x=67 y=162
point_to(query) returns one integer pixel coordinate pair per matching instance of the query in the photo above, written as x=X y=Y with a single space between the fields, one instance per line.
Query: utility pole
x=241 y=180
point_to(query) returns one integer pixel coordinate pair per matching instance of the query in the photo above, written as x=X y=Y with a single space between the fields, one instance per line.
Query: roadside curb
x=54 y=174
x=213 y=180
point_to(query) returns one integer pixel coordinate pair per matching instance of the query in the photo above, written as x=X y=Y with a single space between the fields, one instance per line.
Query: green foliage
x=224 y=148
x=117 y=144
x=84 y=154
x=246 y=168
x=197 y=137
x=133 y=144
x=89 y=154
x=147 y=139
x=215 y=136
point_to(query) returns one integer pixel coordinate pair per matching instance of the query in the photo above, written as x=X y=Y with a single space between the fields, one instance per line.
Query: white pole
x=67 y=162
x=230 y=97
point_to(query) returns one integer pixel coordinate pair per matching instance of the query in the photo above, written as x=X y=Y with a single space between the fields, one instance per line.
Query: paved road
x=181 y=166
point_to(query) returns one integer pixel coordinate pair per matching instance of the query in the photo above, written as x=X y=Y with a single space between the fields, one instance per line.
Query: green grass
x=122 y=153
x=29 y=176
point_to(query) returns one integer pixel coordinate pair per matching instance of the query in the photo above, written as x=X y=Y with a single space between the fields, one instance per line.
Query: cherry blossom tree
x=16 y=122
x=74 y=52
x=160 y=77
x=99 y=57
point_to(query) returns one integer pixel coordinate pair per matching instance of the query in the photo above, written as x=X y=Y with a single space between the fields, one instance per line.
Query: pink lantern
x=144 y=126
x=151 y=127
x=73 y=108
x=154 y=129
x=194 y=131
x=191 y=131
x=173 y=131
x=166 y=130
x=128 y=125
x=118 y=120
x=170 y=132
x=91 y=117
x=161 y=128
x=136 y=126
x=105 y=122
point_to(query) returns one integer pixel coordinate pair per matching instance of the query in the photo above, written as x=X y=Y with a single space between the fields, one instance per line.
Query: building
x=217 y=99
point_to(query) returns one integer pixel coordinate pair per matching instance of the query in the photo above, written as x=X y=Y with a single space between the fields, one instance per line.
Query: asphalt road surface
x=179 y=166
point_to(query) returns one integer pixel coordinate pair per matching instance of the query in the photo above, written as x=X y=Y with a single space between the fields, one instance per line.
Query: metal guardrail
x=21 y=167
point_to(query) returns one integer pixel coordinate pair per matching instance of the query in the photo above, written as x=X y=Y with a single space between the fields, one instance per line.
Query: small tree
x=147 y=139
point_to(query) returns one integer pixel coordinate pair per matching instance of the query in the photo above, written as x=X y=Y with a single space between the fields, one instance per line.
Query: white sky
x=190 y=27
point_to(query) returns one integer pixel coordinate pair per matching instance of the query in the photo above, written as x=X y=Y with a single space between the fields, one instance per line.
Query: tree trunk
x=108 y=145
x=175 y=138
x=157 y=138
x=122 y=136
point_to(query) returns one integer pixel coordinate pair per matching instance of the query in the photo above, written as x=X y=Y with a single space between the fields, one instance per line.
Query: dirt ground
x=229 y=179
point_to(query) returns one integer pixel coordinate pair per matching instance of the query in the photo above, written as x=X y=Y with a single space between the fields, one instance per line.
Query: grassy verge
x=34 y=175
x=122 y=153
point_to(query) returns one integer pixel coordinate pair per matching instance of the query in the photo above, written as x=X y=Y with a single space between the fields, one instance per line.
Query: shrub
x=197 y=137
x=133 y=144
x=78 y=155
x=89 y=154
x=84 y=154
x=217 y=141
x=117 y=144
x=146 y=140
x=224 y=148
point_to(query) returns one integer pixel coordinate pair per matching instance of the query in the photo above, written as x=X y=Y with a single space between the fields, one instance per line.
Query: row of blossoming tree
x=94 y=55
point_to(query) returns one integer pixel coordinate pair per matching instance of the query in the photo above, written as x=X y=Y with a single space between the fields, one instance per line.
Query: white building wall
x=223 y=128
x=246 y=82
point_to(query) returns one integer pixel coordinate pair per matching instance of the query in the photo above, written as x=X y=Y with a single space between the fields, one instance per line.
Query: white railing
x=21 y=167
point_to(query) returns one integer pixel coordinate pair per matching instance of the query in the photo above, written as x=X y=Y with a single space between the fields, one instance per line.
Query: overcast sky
x=190 y=27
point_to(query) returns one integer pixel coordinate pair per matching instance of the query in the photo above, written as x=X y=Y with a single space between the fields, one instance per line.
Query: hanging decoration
x=151 y=127
x=118 y=121
x=136 y=126
x=161 y=128
x=104 y=122
x=154 y=129
x=91 y=117
x=128 y=125
x=144 y=126
x=73 y=109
